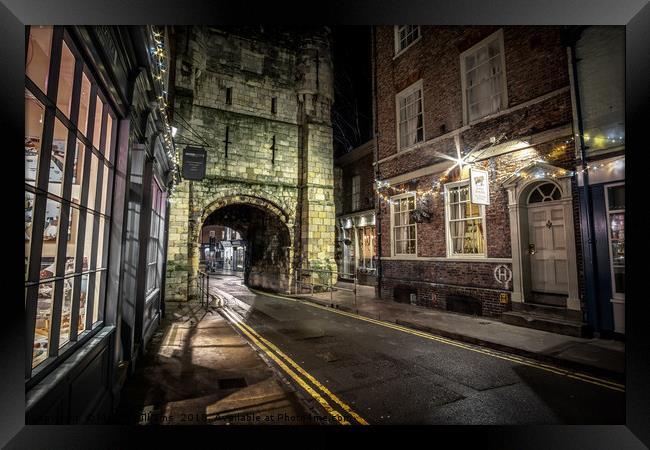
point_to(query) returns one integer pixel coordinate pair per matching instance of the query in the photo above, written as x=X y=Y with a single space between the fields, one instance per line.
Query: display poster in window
x=479 y=187
x=194 y=163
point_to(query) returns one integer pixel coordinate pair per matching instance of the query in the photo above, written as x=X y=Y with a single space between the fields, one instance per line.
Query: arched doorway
x=266 y=234
x=542 y=233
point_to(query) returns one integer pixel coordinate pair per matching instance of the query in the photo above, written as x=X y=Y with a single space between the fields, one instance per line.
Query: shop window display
x=79 y=279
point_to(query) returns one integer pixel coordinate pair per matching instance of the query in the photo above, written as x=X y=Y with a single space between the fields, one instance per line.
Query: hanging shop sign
x=194 y=163
x=479 y=187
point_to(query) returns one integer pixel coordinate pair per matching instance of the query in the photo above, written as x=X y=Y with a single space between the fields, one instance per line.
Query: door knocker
x=548 y=224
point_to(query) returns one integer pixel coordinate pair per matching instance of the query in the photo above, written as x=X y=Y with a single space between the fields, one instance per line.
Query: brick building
x=356 y=243
x=455 y=100
x=258 y=99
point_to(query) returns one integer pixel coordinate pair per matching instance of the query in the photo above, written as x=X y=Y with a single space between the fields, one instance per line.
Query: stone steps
x=545 y=322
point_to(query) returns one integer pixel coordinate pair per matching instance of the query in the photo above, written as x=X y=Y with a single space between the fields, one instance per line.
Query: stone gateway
x=259 y=100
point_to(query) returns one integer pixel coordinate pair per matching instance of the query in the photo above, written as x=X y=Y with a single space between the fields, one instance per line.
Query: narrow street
x=379 y=373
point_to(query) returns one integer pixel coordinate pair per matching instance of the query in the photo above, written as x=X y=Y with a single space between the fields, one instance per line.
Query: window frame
x=355 y=195
x=448 y=238
x=56 y=353
x=392 y=225
x=418 y=85
x=396 y=47
x=608 y=211
x=496 y=36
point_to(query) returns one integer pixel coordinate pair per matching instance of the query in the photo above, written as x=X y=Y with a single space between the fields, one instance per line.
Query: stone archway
x=268 y=231
x=519 y=188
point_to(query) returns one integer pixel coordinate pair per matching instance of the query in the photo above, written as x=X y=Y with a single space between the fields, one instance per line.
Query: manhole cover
x=231 y=383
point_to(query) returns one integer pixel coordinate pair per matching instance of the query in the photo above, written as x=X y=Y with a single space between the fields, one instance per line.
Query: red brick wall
x=364 y=168
x=536 y=64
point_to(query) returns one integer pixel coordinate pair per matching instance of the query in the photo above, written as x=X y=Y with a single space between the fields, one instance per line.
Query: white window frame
x=398 y=50
x=496 y=36
x=450 y=244
x=392 y=225
x=403 y=93
x=608 y=211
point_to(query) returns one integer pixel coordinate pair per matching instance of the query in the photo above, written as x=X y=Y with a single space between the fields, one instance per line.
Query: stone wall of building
x=270 y=92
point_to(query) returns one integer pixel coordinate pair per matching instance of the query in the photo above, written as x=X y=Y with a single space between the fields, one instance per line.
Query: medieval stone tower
x=259 y=100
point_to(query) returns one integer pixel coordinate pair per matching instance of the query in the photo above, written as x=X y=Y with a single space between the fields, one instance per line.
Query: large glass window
x=68 y=262
x=410 y=116
x=465 y=222
x=616 y=229
x=403 y=225
x=483 y=78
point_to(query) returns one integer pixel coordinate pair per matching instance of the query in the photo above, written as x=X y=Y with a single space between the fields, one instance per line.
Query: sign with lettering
x=503 y=298
x=479 y=187
x=503 y=275
x=194 y=159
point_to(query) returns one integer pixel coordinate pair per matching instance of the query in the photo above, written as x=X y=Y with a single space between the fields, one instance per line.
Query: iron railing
x=300 y=274
x=207 y=298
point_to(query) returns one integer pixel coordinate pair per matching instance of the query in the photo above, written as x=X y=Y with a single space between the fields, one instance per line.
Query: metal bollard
x=355 y=290
x=207 y=289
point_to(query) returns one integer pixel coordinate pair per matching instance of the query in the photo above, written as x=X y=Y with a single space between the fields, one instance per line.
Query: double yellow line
x=297 y=373
x=602 y=382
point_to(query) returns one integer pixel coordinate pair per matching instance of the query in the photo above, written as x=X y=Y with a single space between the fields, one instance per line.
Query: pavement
x=599 y=356
x=198 y=371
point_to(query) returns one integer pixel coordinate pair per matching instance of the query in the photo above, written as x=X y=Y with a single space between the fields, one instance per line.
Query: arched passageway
x=268 y=244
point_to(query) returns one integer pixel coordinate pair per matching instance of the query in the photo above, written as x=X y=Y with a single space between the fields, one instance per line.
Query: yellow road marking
x=307 y=375
x=337 y=415
x=549 y=368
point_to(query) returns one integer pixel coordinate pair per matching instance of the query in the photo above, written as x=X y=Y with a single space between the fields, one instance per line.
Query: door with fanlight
x=547 y=241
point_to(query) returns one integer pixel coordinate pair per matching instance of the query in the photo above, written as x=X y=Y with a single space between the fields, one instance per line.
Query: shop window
x=97 y=131
x=50 y=235
x=34 y=118
x=483 y=78
x=82 y=254
x=616 y=231
x=465 y=222
x=367 y=248
x=57 y=158
x=66 y=80
x=82 y=122
x=404 y=229
x=410 y=116
x=29 y=219
x=39 y=50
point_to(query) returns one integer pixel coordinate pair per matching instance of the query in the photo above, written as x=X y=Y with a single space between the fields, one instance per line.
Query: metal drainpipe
x=373 y=37
x=585 y=177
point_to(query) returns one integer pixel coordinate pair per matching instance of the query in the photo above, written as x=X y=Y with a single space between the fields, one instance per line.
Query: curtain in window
x=484 y=83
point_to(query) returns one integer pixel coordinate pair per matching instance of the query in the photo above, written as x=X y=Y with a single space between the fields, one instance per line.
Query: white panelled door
x=547 y=247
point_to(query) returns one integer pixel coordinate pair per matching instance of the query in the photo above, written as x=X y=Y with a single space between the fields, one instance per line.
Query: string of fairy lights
x=523 y=172
x=159 y=54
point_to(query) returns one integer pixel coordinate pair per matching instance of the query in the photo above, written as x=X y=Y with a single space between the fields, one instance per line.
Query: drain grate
x=232 y=383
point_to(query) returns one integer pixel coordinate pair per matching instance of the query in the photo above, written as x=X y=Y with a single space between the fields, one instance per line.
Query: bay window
x=68 y=175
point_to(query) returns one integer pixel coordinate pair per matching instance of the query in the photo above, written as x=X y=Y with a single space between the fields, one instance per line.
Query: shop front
x=358 y=253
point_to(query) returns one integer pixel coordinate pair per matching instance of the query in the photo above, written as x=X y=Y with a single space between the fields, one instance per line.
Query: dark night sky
x=352 y=110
